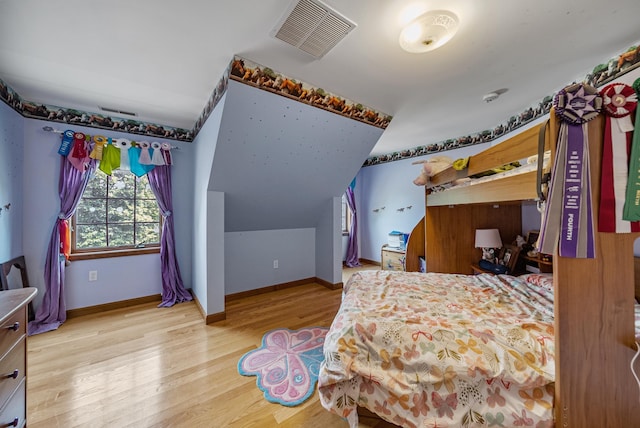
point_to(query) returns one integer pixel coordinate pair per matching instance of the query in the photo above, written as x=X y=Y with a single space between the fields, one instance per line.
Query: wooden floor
x=163 y=367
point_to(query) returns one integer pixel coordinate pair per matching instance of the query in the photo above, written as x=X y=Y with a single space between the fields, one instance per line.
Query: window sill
x=113 y=253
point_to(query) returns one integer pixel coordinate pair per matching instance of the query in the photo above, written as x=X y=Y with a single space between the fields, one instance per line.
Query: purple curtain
x=52 y=311
x=173 y=290
x=352 y=249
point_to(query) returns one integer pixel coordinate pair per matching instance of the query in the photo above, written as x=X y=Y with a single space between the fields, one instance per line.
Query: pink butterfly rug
x=287 y=364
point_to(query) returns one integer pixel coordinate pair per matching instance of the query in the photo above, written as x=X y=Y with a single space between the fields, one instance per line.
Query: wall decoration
x=250 y=73
x=245 y=71
x=93 y=120
x=600 y=76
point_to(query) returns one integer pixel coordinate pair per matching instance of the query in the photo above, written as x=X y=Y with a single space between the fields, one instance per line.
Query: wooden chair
x=5 y=268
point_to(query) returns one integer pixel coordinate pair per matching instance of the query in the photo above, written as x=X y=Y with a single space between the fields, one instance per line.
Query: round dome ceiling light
x=429 y=31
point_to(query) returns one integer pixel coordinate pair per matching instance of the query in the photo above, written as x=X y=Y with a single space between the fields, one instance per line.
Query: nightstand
x=392 y=258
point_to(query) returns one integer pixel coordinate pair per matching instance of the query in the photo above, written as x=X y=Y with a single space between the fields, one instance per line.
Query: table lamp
x=489 y=240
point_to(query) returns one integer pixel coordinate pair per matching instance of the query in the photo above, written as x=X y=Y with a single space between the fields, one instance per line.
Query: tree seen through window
x=116 y=212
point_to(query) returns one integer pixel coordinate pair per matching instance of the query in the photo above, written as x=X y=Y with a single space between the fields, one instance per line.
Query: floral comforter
x=427 y=350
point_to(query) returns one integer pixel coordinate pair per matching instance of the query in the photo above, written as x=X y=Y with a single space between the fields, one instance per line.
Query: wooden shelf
x=544 y=265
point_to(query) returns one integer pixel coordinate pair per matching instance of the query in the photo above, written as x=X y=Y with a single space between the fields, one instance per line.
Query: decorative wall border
x=250 y=73
x=259 y=76
x=600 y=76
x=72 y=116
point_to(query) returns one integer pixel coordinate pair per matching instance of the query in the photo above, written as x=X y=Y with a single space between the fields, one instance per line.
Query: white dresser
x=13 y=356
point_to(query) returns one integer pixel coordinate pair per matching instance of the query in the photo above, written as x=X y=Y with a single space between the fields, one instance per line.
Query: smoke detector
x=491 y=96
x=487 y=98
x=312 y=27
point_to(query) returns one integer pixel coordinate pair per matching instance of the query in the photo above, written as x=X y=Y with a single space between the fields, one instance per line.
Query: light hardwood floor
x=163 y=367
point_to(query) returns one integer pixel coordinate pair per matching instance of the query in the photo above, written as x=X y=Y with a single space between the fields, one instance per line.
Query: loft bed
x=475 y=206
x=593 y=326
x=594 y=298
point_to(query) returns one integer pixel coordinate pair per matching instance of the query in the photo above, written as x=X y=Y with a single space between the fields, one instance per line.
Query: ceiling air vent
x=312 y=27
x=114 y=110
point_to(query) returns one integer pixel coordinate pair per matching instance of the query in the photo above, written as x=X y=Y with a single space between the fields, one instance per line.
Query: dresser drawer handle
x=14 y=327
x=13 y=423
x=14 y=374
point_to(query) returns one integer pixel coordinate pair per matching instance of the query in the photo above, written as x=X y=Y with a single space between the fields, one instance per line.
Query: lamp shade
x=488 y=238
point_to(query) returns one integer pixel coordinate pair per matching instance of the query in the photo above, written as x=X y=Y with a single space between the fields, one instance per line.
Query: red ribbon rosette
x=619 y=99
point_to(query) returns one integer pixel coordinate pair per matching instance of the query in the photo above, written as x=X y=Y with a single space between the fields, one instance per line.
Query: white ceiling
x=162 y=59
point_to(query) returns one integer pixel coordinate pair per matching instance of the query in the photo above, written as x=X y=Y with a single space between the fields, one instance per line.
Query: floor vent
x=312 y=27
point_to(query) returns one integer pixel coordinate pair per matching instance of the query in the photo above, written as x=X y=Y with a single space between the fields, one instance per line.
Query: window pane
x=121 y=185
x=120 y=211
x=91 y=236
x=91 y=211
x=147 y=233
x=120 y=235
x=143 y=190
x=97 y=187
x=147 y=211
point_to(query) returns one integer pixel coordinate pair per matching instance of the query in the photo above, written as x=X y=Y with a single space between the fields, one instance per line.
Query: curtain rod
x=57 y=131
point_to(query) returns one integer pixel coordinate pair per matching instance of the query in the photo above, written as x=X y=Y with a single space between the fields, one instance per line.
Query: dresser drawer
x=15 y=410
x=13 y=364
x=9 y=336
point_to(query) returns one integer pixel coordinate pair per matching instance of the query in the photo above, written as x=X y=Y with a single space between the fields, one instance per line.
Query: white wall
x=11 y=182
x=119 y=278
x=208 y=219
x=250 y=256
x=329 y=242
x=390 y=185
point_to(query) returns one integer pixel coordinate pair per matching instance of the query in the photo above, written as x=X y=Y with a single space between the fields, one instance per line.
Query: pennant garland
x=113 y=154
x=568 y=219
x=619 y=101
x=632 y=200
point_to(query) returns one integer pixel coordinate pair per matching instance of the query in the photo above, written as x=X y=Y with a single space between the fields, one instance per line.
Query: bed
x=441 y=350
x=593 y=301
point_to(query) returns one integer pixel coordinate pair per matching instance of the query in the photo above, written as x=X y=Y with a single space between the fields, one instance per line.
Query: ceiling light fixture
x=429 y=31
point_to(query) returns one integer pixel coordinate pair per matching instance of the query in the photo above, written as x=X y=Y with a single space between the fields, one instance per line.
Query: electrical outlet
x=93 y=275
x=275 y=264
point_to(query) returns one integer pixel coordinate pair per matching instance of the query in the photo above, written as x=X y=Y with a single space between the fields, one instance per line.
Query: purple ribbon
x=572 y=195
x=568 y=219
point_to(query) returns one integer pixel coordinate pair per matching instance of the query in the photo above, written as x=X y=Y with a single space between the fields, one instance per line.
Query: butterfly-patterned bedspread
x=437 y=350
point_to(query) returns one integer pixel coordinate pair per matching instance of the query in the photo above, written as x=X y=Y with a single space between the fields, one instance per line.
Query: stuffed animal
x=431 y=167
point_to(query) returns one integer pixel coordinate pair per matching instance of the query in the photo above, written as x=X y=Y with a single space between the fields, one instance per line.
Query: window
x=117 y=215
x=346 y=216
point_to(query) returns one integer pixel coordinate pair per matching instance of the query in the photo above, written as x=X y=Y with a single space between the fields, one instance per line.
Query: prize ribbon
x=619 y=101
x=632 y=200
x=98 y=146
x=145 y=156
x=67 y=142
x=110 y=157
x=568 y=217
x=166 y=153
x=124 y=145
x=79 y=155
x=156 y=157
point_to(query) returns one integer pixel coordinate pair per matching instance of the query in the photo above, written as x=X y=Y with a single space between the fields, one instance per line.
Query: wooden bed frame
x=594 y=298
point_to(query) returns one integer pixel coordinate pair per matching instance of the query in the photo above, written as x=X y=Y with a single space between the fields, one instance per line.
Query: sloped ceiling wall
x=279 y=161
